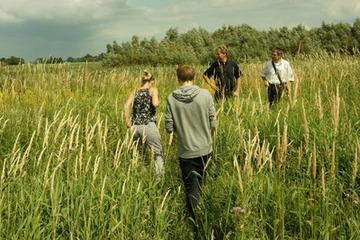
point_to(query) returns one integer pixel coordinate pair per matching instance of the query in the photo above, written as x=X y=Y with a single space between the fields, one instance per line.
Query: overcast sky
x=64 y=28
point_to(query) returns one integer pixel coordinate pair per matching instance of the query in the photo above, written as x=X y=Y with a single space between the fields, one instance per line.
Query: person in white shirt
x=276 y=73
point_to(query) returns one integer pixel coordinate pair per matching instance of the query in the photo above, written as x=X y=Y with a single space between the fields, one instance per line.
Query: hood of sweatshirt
x=186 y=93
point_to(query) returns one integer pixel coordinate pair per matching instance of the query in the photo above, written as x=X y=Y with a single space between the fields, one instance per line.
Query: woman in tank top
x=142 y=103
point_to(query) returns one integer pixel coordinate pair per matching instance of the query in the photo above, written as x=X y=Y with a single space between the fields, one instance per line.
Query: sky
x=34 y=29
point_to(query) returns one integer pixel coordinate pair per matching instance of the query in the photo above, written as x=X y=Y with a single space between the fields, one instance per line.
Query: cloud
x=65 y=11
x=8 y=18
x=38 y=28
x=340 y=9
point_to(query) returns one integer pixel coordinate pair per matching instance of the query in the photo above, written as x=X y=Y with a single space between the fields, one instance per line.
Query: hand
x=214 y=87
x=236 y=93
x=213 y=131
x=128 y=124
x=266 y=83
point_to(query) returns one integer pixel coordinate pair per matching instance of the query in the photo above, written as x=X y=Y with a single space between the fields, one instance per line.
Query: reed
x=355 y=164
x=71 y=170
x=305 y=127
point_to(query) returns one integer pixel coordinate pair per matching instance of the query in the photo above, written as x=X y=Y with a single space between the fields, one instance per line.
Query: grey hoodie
x=190 y=113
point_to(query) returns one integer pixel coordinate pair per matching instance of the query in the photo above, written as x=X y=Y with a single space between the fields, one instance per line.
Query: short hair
x=147 y=76
x=278 y=51
x=222 y=49
x=185 y=73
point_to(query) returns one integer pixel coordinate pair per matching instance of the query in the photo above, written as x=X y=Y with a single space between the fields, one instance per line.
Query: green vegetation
x=245 y=43
x=69 y=170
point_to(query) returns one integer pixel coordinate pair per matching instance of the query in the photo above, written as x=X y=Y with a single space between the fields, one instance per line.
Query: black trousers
x=275 y=92
x=194 y=177
x=221 y=95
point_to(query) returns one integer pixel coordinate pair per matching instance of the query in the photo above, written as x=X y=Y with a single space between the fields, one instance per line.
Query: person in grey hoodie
x=190 y=114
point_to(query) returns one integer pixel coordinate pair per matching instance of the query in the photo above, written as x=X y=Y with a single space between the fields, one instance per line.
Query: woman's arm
x=128 y=104
x=154 y=93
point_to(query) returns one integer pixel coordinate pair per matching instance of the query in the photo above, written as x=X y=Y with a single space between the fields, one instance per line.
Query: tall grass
x=70 y=170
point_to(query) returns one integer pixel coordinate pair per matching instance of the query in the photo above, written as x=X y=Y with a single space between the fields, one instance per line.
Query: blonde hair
x=222 y=49
x=146 y=77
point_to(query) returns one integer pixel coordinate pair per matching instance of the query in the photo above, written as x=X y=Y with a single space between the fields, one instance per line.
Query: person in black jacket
x=226 y=75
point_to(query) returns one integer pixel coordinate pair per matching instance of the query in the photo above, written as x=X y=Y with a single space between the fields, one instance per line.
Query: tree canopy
x=244 y=43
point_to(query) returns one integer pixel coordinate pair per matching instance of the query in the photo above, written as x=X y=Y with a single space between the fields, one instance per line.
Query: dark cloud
x=39 y=28
x=34 y=39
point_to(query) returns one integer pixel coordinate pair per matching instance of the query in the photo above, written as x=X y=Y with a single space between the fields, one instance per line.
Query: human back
x=191 y=115
x=143 y=110
x=142 y=103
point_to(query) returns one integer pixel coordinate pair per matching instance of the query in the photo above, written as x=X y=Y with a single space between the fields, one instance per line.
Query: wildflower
x=238 y=210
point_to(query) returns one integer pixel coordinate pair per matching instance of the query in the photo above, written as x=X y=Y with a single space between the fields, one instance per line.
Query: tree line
x=244 y=43
x=51 y=60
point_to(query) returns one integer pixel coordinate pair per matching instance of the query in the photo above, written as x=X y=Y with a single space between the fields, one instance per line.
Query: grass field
x=69 y=169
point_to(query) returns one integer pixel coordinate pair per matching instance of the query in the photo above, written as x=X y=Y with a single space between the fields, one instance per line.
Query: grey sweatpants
x=149 y=136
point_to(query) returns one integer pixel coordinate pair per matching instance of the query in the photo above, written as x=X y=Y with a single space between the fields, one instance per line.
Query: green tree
x=355 y=32
x=335 y=38
x=198 y=41
x=14 y=60
x=149 y=51
x=245 y=43
x=172 y=34
x=303 y=41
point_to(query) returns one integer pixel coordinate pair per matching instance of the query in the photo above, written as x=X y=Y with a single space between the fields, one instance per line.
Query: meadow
x=70 y=170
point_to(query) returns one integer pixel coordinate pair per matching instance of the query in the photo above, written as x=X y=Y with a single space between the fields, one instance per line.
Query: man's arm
x=266 y=82
x=212 y=115
x=208 y=81
x=237 y=87
x=263 y=75
x=169 y=121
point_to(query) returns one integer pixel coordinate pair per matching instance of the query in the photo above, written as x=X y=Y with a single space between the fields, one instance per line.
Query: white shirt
x=284 y=69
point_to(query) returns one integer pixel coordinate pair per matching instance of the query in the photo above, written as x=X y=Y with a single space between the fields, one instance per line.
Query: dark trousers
x=194 y=176
x=224 y=92
x=275 y=92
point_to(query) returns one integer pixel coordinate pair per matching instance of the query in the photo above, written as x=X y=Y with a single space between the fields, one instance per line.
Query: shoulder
x=204 y=92
x=170 y=96
x=285 y=61
x=232 y=62
x=286 y=64
x=153 y=90
x=268 y=63
x=216 y=63
x=213 y=65
x=132 y=93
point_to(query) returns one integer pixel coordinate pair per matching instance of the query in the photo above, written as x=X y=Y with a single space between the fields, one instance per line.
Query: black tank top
x=143 y=111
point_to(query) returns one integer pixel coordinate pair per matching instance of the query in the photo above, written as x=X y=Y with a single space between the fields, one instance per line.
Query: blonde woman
x=141 y=104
